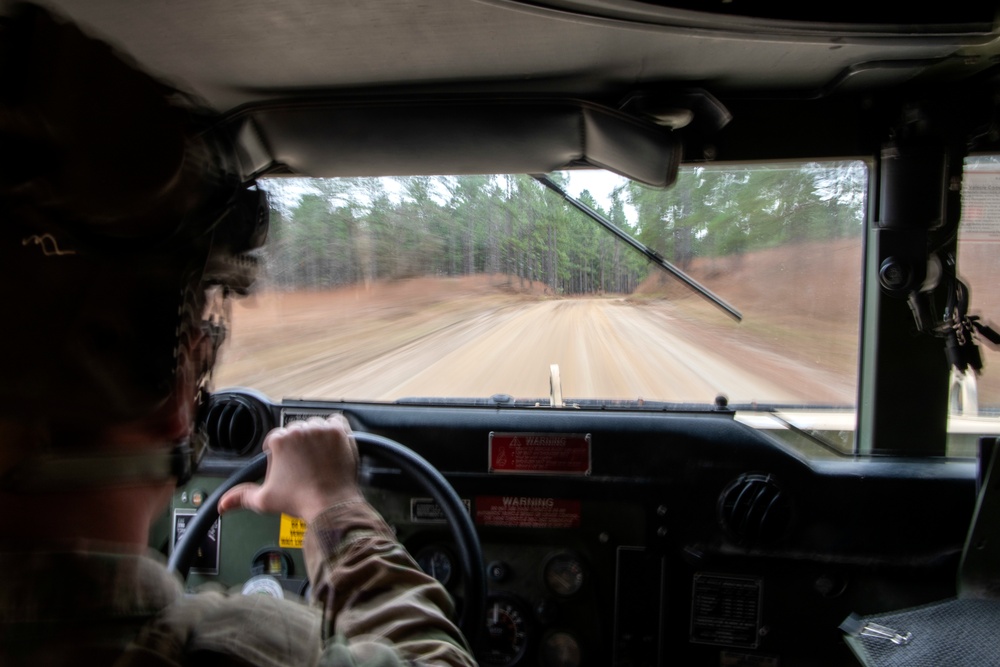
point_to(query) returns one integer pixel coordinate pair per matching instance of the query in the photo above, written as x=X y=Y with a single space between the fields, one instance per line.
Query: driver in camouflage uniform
x=123 y=234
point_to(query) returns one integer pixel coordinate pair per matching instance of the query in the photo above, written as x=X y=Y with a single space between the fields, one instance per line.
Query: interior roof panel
x=971 y=18
x=237 y=53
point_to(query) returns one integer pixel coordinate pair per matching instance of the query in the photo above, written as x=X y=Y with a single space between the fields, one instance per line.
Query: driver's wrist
x=331 y=504
x=340 y=524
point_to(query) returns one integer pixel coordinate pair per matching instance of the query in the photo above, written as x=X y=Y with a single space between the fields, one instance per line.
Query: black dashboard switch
x=497 y=571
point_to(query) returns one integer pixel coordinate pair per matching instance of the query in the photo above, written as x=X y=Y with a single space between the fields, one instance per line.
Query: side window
x=975 y=398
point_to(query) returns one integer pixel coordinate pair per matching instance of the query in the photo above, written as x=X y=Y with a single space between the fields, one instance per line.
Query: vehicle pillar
x=913 y=203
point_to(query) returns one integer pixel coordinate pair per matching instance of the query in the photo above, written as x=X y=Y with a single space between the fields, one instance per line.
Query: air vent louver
x=235 y=424
x=754 y=511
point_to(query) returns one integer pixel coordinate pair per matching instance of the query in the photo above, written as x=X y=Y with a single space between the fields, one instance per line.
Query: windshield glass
x=471 y=287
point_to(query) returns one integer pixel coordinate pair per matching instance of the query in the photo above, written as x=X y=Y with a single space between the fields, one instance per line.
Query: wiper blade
x=649 y=253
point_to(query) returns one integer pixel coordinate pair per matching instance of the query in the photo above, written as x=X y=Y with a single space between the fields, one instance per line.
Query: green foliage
x=335 y=232
x=711 y=212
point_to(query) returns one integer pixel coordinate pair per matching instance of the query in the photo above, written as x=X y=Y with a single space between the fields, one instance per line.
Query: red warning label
x=527 y=512
x=568 y=454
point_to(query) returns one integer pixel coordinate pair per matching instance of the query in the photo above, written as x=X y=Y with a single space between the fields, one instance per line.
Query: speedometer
x=506 y=635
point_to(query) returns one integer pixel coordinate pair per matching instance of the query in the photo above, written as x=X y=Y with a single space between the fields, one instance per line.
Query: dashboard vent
x=235 y=424
x=754 y=511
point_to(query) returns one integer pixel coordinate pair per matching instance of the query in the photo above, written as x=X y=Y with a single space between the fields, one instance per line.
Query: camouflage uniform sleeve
x=378 y=607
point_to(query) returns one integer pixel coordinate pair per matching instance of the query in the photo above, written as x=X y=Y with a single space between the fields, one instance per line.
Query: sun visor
x=407 y=138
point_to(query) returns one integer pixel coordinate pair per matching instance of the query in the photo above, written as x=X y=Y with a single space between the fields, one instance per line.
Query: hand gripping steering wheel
x=412 y=464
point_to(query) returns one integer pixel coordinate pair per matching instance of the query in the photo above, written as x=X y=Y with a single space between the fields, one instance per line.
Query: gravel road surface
x=605 y=348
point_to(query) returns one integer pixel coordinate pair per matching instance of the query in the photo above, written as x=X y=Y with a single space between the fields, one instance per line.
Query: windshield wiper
x=649 y=253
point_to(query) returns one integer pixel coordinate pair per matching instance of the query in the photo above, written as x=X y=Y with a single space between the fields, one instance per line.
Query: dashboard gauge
x=560 y=649
x=437 y=562
x=506 y=635
x=263 y=584
x=564 y=574
x=271 y=561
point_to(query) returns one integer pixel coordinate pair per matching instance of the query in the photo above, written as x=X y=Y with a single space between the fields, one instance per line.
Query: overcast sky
x=599 y=183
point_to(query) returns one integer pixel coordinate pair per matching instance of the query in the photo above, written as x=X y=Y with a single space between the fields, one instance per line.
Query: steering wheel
x=433 y=483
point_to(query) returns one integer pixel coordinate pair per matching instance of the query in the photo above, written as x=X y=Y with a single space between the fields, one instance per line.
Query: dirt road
x=483 y=345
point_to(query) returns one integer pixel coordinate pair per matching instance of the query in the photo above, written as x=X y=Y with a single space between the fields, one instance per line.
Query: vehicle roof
x=645 y=57
x=238 y=53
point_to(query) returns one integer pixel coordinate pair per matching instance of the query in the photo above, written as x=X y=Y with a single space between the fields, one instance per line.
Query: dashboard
x=618 y=537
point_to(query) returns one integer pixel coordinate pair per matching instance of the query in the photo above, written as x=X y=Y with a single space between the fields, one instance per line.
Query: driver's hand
x=311 y=465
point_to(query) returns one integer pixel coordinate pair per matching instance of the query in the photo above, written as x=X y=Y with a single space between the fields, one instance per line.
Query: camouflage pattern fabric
x=373 y=607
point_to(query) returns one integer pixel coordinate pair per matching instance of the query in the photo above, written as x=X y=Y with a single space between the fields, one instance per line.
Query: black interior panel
x=694 y=539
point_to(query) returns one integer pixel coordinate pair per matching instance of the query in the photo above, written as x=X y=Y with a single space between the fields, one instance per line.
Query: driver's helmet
x=126 y=221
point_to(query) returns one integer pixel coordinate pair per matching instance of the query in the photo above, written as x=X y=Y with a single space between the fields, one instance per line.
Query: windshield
x=471 y=287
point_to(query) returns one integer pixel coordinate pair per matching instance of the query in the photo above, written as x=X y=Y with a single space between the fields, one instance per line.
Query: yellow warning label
x=292 y=532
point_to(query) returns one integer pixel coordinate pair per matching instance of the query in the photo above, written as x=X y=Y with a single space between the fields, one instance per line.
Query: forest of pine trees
x=331 y=232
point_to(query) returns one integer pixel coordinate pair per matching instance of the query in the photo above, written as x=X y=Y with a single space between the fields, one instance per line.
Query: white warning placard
x=980 y=207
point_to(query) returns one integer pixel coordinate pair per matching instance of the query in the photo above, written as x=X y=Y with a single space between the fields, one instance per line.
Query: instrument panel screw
x=603 y=538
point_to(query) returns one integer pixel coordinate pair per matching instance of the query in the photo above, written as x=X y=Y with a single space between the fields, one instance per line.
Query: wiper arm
x=649 y=253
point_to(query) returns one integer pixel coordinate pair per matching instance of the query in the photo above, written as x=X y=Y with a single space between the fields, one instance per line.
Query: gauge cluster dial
x=506 y=632
x=564 y=574
x=438 y=562
x=560 y=649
